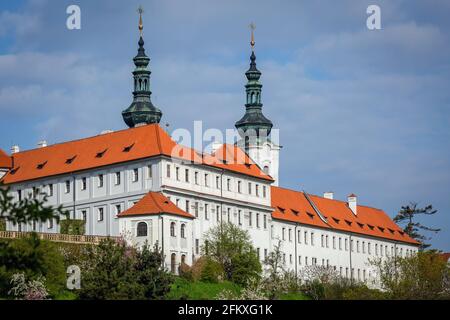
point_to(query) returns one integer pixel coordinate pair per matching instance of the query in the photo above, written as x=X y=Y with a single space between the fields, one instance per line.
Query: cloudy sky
x=359 y=111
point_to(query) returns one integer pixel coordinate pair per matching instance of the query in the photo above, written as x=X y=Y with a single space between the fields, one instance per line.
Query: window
x=250 y=219
x=67 y=188
x=334 y=242
x=357 y=246
x=83 y=215
x=249 y=188
x=376 y=249
x=206 y=180
x=218 y=213
x=239 y=186
x=369 y=247
x=186 y=175
x=340 y=243
x=149 y=171
x=300 y=260
x=299 y=236
x=100 y=214
x=322 y=241
x=172 y=229
x=197 y=246
x=364 y=247
x=351 y=245
x=35 y=192
x=183 y=231
x=239 y=217
x=34 y=226
x=290 y=234
x=265 y=221
x=196 y=209
x=272 y=232
x=19 y=194
x=187 y=206
x=306 y=237
x=117 y=178
x=100 y=181
x=206 y=211
x=177 y=173
x=196 y=177
x=290 y=258
x=381 y=250
x=217 y=182
x=173 y=262
x=135 y=174
x=257 y=220
x=229 y=215
x=257 y=252
x=257 y=190
x=283 y=232
x=229 y=184
x=141 y=229
x=326 y=241
x=266 y=169
x=306 y=261
x=168 y=170
x=264 y=191
x=83 y=184
x=265 y=253
x=346 y=244
x=50 y=224
x=312 y=238
x=118 y=209
x=50 y=190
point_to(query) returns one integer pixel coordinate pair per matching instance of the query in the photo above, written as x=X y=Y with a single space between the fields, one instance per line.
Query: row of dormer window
x=204 y=179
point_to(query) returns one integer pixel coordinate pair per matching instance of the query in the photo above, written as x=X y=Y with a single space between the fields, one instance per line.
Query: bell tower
x=254 y=128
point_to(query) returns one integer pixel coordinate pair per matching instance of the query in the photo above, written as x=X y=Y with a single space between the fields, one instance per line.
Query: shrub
x=72 y=226
x=27 y=290
x=211 y=272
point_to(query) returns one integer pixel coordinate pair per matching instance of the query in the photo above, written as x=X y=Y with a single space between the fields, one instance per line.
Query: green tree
x=115 y=270
x=232 y=248
x=424 y=275
x=407 y=215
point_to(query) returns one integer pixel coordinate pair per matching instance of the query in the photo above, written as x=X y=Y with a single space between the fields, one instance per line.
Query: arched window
x=258 y=98
x=145 y=84
x=266 y=169
x=140 y=84
x=141 y=229
x=253 y=97
x=173 y=259
x=183 y=258
x=183 y=231
x=172 y=229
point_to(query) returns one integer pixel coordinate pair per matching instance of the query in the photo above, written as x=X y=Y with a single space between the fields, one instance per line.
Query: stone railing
x=57 y=237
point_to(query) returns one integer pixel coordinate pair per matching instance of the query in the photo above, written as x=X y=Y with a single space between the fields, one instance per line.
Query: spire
x=253 y=123
x=141 y=110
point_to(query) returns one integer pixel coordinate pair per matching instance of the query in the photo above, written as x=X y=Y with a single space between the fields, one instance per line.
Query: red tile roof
x=154 y=203
x=368 y=221
x=112 y=148
x=5 y=160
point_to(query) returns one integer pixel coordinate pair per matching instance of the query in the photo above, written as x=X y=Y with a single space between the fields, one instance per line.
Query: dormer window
x=100 y=154
x=41 y=165
x=128 y=148
x=281 y=209
x=361 y=225
x=310 y=215
x=348 y=222
x=295 y=212
x=13 y=171
x=336 y=220
x=70 y=160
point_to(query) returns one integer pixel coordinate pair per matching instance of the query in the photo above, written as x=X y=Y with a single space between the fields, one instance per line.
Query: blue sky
x=359 y=111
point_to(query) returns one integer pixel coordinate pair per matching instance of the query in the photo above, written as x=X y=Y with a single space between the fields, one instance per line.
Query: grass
x=197 y=290
x=294 y=296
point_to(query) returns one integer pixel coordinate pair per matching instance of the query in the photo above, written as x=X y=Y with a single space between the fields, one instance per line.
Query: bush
x=2 y=224
x=183 y=289
x=117 y=271
x=34 y=258
x=211 y=272
x=72 y=226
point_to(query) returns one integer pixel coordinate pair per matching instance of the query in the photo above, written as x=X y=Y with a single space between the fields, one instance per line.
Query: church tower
x=141 y=110
x=254 y=128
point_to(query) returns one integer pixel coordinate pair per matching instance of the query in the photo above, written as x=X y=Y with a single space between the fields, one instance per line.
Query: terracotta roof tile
x=112 y=148
x=5 y=160
x=154 y=203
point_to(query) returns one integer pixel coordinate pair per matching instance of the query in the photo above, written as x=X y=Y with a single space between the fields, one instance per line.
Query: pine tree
x=407 y=214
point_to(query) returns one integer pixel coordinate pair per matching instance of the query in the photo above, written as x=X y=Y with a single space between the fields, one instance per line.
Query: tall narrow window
x=100 y=214
x=186 y=175
x=196 y=209
x=50 y=224
x=249 y=188
x=83 y=215
x=196 y=177
x=265 y=221
x=177 y=173
x=239 y=217
x=83 y=183
x=100 y=181
x=229 y=215
x=135 y=174
x=250 y=218
x=141 y=229
x=67 y=188
x=173 y=262
x=149 y=171
x=19 y=194
x=183 y=231
x=229 y=184
x=257 y=190
x=118 y=209
x=197 y=246
x=168 y=170
x=187 y=205
x=117 y=178
x=172 y=229
x=206 y=180
x=239 y=186
x=257 y=220
x=217 y=182
x=50 y=190
x=206 y=211
x=264 y=191
x=218 y=213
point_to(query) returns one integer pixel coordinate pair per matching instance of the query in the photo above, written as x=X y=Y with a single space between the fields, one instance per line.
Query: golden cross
x=140 y=10
x=252 y=41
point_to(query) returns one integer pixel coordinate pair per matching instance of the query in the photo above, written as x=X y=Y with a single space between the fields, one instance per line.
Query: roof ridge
x=154 y=200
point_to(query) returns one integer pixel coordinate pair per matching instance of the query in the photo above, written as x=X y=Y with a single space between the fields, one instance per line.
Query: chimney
x=15 y=149
x=352 y=203
x=328 y=195
x=216 y=146
x=42 y=144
